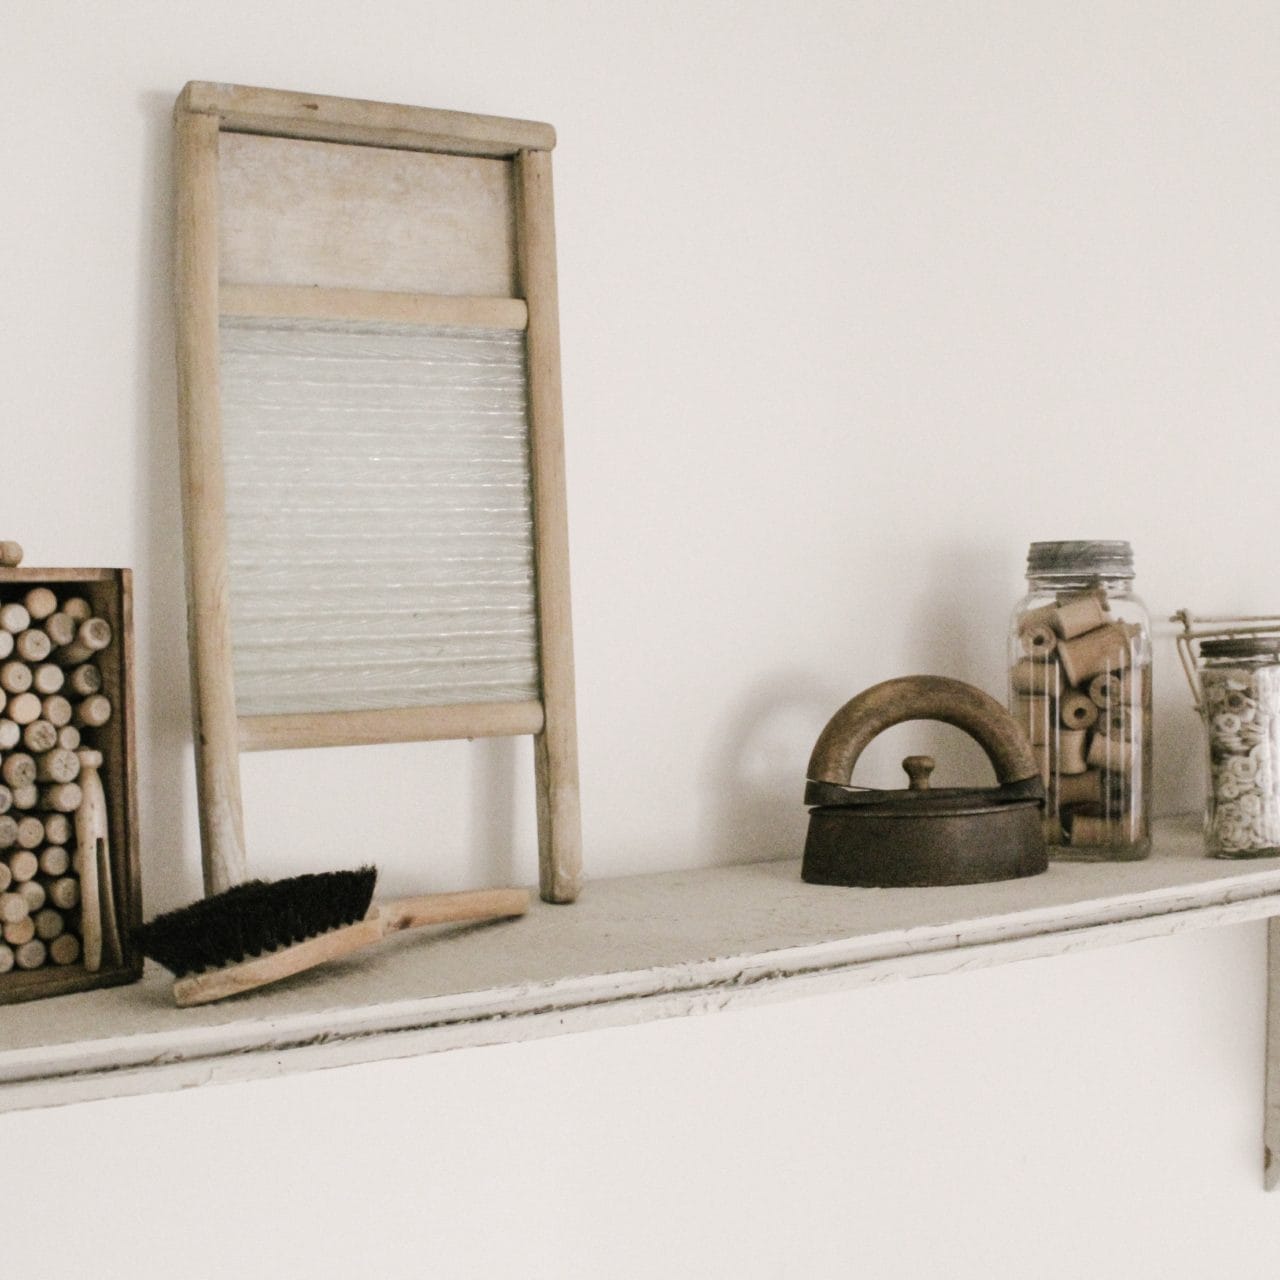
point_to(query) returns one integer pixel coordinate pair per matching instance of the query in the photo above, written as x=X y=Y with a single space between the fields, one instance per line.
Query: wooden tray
x=110 y=592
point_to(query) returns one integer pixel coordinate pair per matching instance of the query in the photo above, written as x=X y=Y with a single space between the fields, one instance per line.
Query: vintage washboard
x=372 y=442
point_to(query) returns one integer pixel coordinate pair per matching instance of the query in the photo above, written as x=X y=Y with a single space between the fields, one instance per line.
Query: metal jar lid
x=1080 y=559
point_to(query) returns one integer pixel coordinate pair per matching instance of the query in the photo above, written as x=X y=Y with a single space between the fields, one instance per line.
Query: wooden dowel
x=10 y=554
x=23 y=864
x=13 y=907
x=85 y=680
x=54 y=859
x=6 y=643
x=18 y=769
x=93 y=712
x=10 y=734
x=48 y=678
x=6 y=799
x=8 y=831
x=33 y=892
x=60 y=627
x=15 y=677
x=64 y=892
x=6 y=958
x=23 y=708
x=78 y=609
x=50 y=924
x=68 y=735
x=40 y=736
x=6 y=876
x=20 y=931
x=14 y=618
x=57 y=829
x=33 y=646
x=56 y=710
x=58 y=765
x=31 y=955
x=65 y=949
x=40 y=603
x=25 y=797
x=62 y=797
x=30 y=834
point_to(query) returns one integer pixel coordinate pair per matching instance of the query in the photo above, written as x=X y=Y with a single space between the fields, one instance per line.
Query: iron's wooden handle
x=921 y=698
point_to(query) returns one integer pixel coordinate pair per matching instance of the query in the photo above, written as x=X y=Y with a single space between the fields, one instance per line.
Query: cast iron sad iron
x=951 y=835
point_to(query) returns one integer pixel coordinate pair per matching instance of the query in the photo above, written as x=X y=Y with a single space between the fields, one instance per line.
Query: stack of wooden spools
x=57 y=903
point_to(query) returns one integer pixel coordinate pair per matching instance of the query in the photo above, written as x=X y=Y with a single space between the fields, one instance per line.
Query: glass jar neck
x=1112 y=584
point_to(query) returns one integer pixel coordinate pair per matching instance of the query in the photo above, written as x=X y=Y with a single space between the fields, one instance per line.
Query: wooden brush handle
x=449 y=908
x=407 y=913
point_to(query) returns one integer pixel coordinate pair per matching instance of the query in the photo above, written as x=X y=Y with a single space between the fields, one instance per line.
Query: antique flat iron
x=922 y=835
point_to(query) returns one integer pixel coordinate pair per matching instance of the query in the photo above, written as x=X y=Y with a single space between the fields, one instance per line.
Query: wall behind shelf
x=856 y=301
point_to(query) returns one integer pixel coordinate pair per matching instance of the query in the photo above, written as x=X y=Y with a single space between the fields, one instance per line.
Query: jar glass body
x=1080 y=686
x=1241 y=708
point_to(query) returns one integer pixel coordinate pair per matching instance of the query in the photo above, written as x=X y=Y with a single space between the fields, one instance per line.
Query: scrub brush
x=263 y=930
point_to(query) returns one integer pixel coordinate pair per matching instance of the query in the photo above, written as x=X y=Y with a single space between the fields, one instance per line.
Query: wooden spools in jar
x=1080 y=688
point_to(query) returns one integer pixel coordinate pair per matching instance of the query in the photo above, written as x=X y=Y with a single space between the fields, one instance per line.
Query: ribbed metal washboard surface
x=379 y=530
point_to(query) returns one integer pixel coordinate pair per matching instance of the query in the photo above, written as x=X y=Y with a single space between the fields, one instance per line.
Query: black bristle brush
x=264 y=930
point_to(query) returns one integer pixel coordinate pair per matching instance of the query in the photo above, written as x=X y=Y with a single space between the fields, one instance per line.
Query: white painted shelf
x=630 y=950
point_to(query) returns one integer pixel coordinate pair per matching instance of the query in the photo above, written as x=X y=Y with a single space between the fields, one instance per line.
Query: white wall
x=857 y=300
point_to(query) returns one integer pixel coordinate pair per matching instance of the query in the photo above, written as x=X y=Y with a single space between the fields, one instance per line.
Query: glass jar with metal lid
x=1240 y=703
x=1080 y=686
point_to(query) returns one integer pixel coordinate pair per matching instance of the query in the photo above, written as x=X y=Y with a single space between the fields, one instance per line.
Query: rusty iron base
x=848 y=846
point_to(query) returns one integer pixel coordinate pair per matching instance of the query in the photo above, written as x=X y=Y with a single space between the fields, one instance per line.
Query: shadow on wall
x=754 y=779
x=954 y=623
x=170 y=869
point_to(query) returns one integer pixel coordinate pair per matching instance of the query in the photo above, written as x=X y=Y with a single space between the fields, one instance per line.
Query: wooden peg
x=40 y=603
x=30 y=835
x=20 y=931
x=14 y=618
x=23 y=864
x=58 y=765
x=65 y=949
x=15 y=677
x=61 y=797
x=60 y=627
x=8 y=831
x=25 y=797
x=77 y=608
x=10 y=554
x=63 y=892
x=93 y=838
x=48 y=678
x=50 y=924
x=6 y=643
x=10 y=734
x=23 y=708
x=6 y=958
x=93 y=712
x=68 y=735
x=57 y=828
x=33 y=646
x=85 y=680
x=13 y=907
x=40 y=736
x=18 y=769
x=33 y=892
x=31 y=955
x=54 y=859
x=56 y=710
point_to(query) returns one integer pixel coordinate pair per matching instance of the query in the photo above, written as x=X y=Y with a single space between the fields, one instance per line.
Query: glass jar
x=1080 y=685
x=1240 y=688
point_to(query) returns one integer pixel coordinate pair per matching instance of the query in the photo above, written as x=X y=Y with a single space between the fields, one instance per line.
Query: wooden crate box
x=109 y=596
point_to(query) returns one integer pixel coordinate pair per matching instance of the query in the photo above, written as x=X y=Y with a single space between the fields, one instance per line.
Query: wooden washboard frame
x=210 y=118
